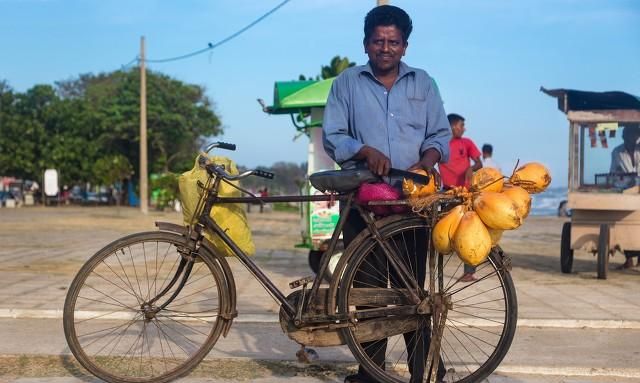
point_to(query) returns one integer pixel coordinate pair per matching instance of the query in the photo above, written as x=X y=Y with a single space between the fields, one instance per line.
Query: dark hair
x=453 y=118
x=487 y=148
x=386 y=15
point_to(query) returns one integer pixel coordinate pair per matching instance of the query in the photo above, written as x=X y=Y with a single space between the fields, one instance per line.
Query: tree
x=335 y=67
x=178 y=115
x=74 y=123
x=111 y=170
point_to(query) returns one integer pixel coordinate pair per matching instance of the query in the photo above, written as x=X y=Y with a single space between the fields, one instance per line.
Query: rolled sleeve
x=438 y=132
x=338 y=144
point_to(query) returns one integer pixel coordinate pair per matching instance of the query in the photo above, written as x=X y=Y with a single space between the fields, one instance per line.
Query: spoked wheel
x=116 y=318
x=391 y=336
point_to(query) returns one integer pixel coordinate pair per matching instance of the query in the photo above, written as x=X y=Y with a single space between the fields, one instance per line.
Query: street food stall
x=604 y=175
x=304 y=102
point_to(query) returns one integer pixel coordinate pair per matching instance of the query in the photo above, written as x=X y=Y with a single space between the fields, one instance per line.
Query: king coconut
x=492 y=205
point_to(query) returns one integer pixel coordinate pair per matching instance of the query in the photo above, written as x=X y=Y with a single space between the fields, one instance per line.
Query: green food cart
x=304 y=102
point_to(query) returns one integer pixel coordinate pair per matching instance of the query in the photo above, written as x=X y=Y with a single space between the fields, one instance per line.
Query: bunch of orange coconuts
x=492 y=205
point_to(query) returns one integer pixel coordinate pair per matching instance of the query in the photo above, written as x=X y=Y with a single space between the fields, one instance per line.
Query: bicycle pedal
x=300 y=282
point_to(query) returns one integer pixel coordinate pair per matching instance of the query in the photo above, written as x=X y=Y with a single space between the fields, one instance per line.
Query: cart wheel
x=566 y=252
x=603 y=252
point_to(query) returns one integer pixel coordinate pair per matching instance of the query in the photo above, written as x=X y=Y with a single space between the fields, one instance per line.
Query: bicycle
x=149 y=307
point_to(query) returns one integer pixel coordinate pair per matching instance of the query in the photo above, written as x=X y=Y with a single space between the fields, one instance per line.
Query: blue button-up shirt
x=402 y=123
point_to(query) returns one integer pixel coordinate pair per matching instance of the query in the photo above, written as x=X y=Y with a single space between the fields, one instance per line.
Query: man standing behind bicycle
x=385 y=114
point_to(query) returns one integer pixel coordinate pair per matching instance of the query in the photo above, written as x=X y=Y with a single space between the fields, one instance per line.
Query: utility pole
x=144 y=193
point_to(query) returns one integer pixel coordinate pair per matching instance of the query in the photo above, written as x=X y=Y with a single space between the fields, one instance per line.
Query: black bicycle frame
x=205 y=221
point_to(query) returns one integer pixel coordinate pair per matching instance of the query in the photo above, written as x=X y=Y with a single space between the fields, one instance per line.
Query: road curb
x=632 y=373
x=613 y=324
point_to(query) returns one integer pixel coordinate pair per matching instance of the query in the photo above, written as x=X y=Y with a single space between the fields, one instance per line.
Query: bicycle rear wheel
x=478 y=328
x=115 y=318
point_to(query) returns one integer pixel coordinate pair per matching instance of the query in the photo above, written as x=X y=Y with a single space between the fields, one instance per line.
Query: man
x=458 y=170
x=625 y=158
x=380 y=115
x=487 y=157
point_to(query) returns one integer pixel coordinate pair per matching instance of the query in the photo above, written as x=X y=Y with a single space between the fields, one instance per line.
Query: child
x=458 y=170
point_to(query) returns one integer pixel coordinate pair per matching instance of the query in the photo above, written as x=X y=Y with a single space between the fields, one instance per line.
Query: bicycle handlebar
x=263 y=174
x=221 y=145
x=220 y=171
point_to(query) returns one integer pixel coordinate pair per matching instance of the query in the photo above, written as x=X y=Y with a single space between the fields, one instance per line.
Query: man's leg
x=371 y=274
x=628 y=263
x=417 y=342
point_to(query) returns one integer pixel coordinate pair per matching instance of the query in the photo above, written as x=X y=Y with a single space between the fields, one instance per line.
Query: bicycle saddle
x=342 y=181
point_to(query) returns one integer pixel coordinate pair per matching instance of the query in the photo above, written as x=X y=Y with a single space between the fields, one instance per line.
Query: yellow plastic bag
x=230 y=217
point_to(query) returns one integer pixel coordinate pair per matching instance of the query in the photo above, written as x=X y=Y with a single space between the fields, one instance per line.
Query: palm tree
x=337 y=65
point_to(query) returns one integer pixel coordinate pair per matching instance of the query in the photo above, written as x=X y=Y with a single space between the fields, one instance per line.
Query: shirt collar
x=403 y=70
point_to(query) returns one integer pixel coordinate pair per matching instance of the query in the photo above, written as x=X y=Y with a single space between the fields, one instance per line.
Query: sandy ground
x=41 y=249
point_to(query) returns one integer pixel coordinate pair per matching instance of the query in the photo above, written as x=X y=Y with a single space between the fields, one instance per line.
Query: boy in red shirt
x=458 y=171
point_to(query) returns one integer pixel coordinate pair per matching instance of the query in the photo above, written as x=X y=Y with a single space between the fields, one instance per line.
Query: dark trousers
x=375 y=272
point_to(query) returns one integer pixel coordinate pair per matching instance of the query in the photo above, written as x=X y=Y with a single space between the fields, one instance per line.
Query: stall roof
x=577 y=100
x=297 y=96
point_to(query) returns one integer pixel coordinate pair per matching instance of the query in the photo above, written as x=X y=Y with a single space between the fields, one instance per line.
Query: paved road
x=570 y=325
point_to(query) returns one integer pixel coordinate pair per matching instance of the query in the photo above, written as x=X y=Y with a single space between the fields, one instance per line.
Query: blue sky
x=489 y=57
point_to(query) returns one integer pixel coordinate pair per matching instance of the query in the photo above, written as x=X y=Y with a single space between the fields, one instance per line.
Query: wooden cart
x=604 y=199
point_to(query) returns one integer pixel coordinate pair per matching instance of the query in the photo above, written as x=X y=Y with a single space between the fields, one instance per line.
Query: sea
x=547 y=202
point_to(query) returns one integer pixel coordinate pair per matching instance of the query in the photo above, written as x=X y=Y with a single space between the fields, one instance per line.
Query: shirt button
x=391 y=114
x=385 y=92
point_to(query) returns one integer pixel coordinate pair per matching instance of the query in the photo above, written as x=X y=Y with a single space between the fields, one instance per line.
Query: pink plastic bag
x=380 y=192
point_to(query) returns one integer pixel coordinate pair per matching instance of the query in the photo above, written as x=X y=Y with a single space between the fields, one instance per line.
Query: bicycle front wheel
x=121 y=322
x=392 y=342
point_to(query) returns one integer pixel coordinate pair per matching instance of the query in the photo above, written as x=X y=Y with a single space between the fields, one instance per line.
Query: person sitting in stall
x=625 y=158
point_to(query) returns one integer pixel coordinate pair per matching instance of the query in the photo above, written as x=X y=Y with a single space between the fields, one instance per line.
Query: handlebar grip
x=227 y=146
x=263 y=174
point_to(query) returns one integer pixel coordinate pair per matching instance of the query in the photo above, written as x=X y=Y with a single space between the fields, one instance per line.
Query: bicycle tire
x=475 y=372
x=202 y=307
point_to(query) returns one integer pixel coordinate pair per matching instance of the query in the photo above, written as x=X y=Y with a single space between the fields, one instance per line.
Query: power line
x=127 y=65
x=211 y=45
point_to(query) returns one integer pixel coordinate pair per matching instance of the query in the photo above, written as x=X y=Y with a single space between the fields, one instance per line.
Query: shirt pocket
x=416 y=113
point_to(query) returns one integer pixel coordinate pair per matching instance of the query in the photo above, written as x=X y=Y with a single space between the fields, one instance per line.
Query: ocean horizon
x=547 y=202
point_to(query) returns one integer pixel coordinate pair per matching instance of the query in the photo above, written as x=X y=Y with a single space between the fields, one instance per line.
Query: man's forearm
x=430 y=157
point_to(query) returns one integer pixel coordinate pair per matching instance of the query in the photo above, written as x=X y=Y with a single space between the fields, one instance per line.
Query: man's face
x=457 y=128
x=385 y=48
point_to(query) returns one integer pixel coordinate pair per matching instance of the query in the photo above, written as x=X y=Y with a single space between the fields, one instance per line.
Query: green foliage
x=71 y=125
x=165 y=189
x=336 y=66
x=111 y=169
